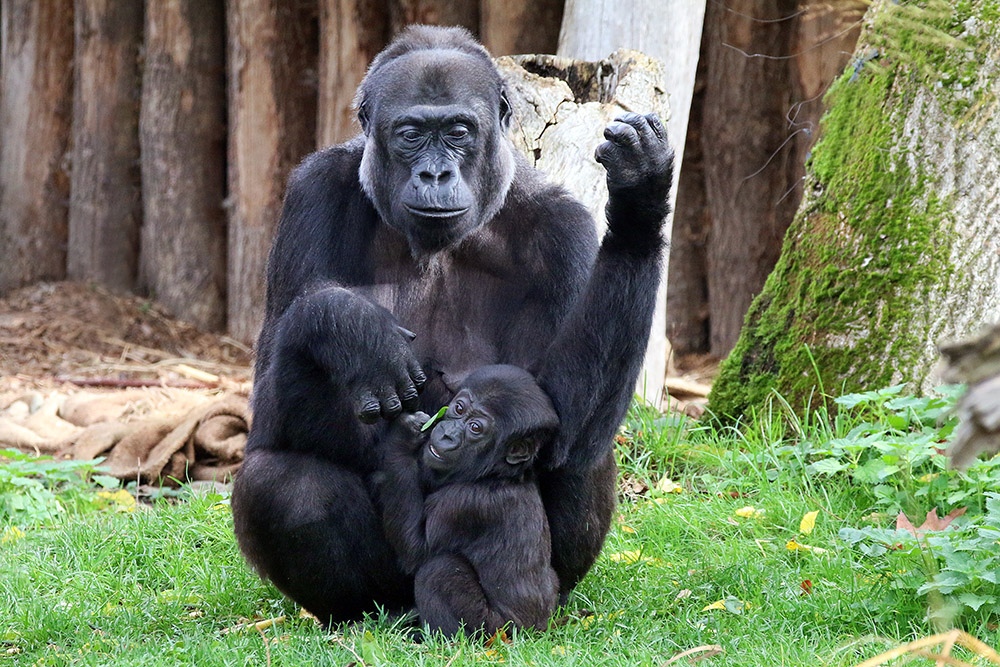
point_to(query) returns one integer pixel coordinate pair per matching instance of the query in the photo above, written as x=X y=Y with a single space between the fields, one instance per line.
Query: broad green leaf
x=437 y=416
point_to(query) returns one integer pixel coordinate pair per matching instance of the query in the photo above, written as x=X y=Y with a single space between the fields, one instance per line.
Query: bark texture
x=105 y=211
x=351 y=33
x=896 y=244
x=182 y=136
x=36 y=63
x=463 y=13
x=508 y=27
x=687 y=288
x=561 y=108
x=752 y=164
x=670 y=31
x=764 y=68
x=272 y=112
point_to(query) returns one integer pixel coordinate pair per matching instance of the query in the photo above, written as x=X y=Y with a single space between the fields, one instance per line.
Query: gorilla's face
x=436 y=164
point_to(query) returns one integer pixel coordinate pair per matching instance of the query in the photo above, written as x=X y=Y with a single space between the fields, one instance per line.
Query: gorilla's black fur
x=461 y=507
x=431 y=221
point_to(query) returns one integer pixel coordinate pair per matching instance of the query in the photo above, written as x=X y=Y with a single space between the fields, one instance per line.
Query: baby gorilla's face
x=464 y=437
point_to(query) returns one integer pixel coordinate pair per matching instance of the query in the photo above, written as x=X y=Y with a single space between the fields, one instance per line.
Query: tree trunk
x=351 y=33
x=509 y=27
x=463 y=13
x=669 y=30
x=752 y=162
x=767 y=66
x=36 y=64
x=272 y=125
x=561 y=108
x=105 y=211
x=687 y=290
x=182 y=136
x=895 y=245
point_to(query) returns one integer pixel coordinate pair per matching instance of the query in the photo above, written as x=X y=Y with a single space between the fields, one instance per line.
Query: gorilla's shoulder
x=551 y=210
x=334 y=166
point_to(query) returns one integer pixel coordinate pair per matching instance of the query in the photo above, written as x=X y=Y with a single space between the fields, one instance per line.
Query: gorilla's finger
x=629 y=117
x=417 y=375
x=622 y=133
x=368 y=409
x=406 y=333
x=391 y=405
x=409 y=395
x=656 y=125
x=603 y=153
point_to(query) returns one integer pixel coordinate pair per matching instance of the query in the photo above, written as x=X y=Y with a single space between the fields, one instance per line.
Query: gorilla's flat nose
x=433 y=176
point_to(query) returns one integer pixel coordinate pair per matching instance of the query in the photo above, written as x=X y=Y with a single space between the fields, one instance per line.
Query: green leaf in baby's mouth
x=433 y=420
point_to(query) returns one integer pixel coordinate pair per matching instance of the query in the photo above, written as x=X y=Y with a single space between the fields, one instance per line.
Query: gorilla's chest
x=455 y=305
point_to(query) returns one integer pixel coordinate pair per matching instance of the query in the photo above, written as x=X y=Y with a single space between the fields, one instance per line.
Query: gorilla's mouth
x=436 y=213
x=435 y=453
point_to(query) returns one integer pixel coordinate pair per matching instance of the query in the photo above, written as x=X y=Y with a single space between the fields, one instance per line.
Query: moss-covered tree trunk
x=896 y=244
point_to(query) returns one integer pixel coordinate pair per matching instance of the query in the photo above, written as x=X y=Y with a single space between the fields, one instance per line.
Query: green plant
x=957 y=567
x=37 y=489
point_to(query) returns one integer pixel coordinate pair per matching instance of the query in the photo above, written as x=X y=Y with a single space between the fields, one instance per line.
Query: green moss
x=869 y=242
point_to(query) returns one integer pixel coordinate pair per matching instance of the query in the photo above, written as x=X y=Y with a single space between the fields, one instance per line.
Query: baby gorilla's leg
x=449 y=598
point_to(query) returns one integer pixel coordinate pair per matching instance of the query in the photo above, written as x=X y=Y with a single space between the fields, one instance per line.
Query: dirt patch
x=51 y=333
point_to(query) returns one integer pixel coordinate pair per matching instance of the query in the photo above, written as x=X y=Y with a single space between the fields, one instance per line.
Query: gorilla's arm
x=325 y=350
x=590 y=369
x=399 y=490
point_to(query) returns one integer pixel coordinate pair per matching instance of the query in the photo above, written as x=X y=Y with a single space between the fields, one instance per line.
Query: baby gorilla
x=462 y=510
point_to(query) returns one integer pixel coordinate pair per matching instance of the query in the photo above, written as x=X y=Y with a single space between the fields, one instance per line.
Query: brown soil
x=56 y=332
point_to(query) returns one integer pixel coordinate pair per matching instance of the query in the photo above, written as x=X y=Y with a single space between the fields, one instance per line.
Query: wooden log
x=182 y=137
x=105 y=211
x=36 y=62
x=508 y=27
x=272 y=117
x=670 y=31
x=561 y=107
x=463 y=13
x=351 y=33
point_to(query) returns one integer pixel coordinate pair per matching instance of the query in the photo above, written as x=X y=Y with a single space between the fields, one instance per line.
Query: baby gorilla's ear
x=521 y=449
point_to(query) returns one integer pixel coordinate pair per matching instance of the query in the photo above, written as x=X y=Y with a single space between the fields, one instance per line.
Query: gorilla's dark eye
x=459 y=407
x=458 y=133
x=410 y=135
x=476 y=428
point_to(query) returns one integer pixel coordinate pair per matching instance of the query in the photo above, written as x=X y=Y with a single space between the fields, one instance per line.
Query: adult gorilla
x=431 y=221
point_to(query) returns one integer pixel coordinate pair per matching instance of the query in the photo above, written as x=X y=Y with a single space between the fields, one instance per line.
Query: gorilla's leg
x=311 y=528
x=579 y=505
x=448 y=594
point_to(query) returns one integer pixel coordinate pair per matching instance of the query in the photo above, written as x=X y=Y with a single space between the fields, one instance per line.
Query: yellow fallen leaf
x=792 y=545
x=808 y=522
x=11 y=534
x=667 y=485
x=628 y=529
x=121 y=500
x=492 y=654
x=749 y=512
x=718 y=604
x=633 y=557
x=558 y=650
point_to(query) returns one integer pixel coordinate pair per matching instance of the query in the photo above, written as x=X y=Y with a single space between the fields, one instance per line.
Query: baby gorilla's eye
x=459 y=408
x=475 y=427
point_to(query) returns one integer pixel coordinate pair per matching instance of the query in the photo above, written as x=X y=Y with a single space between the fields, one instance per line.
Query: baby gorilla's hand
x=404 y=432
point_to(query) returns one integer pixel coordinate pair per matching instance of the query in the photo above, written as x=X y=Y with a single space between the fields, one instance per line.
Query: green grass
x=159 y=586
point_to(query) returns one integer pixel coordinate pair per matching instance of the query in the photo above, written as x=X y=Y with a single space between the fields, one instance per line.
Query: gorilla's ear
x=363 y=117
x=521 y=450
x=505 y=110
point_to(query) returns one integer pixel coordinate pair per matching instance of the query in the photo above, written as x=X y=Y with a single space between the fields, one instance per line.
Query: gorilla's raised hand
x=640 y=165
x=353 y=328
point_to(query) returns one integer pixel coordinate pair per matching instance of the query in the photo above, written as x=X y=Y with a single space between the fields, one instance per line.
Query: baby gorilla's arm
x=401 y=497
